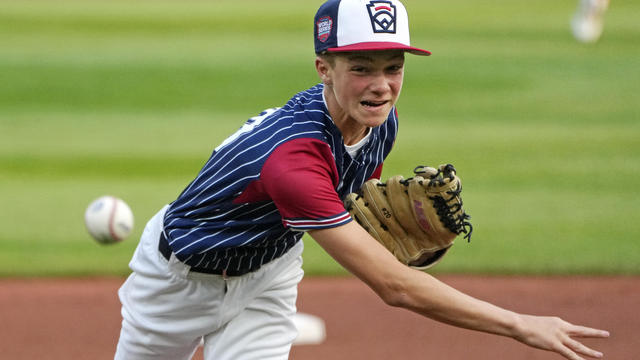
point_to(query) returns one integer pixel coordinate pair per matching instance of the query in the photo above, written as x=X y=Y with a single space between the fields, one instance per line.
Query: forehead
x=372 y=56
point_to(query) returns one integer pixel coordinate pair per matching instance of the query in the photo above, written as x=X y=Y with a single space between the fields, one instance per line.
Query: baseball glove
x=417 y=219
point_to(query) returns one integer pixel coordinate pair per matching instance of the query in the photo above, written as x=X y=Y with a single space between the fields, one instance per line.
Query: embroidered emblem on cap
x=383 y=16
x=324 y=25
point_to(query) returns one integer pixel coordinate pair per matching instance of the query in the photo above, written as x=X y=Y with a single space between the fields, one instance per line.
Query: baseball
x=108 y=219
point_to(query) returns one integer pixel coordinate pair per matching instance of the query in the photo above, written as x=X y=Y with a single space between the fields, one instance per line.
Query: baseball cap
x=363 y=25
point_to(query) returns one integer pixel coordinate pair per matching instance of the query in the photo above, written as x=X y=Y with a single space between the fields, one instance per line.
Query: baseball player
x=220 y=264
x=588 y=20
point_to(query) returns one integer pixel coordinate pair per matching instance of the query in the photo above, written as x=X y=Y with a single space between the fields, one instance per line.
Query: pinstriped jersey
x=282 y=173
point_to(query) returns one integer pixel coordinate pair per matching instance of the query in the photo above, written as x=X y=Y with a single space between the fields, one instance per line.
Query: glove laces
x=446 y=208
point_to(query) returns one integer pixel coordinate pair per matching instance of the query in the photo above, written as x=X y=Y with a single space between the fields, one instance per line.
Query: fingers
x=555 y=334
x=570 y=347
x=566 y=352
x=582 y=331
x=574 y=346
x=582 y=349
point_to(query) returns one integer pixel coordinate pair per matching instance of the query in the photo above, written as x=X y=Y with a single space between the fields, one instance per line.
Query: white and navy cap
x=363 y=25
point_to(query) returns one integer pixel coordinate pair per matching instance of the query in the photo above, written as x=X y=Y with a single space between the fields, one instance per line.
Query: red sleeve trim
x=307 y=224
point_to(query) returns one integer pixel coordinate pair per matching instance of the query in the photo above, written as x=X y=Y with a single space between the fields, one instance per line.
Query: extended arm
x=401 y=286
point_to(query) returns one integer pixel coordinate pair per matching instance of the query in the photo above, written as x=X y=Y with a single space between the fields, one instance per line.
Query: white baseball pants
x=168 y=311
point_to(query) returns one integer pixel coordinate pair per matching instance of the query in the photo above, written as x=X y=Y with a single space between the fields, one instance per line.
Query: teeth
x=371 y=103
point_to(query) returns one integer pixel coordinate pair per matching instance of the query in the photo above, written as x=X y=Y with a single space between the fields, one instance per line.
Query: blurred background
x=130 y=98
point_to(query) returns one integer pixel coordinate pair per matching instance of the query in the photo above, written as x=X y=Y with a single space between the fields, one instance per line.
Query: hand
x=555 y=334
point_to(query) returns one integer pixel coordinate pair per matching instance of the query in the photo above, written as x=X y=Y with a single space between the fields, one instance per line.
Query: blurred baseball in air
x=108 y=219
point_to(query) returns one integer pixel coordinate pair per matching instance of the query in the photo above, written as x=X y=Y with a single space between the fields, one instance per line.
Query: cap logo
x=324 y=26
x=383 y=16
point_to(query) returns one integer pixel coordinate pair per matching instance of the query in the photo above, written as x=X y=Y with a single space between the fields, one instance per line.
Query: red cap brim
x=381 y=45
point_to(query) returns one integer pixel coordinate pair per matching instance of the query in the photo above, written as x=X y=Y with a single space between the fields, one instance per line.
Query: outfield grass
x=129 y=99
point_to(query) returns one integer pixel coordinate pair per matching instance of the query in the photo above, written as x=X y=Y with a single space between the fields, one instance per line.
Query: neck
x=351 y=130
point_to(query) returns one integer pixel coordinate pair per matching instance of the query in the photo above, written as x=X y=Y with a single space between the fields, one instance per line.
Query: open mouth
x=372 y=104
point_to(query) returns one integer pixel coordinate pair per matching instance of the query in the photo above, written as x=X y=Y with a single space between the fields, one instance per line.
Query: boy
x=222 y=262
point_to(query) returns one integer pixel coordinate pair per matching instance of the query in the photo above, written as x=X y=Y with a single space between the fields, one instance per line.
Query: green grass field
x=129 y=99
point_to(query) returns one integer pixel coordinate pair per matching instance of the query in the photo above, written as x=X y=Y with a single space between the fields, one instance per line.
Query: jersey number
x=247 y=127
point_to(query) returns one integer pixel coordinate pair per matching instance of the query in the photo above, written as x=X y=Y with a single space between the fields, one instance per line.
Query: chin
x=373 y=120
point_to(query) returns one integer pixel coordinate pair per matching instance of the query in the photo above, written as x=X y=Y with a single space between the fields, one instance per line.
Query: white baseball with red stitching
x=108 y=219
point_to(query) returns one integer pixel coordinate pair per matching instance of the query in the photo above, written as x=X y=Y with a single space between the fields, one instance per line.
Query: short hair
x=328 y=57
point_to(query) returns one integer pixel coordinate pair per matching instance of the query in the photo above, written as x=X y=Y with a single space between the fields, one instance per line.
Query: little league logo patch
x=383 y=16
x=324 y=25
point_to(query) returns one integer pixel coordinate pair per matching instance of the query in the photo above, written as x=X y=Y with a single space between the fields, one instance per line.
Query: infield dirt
x=80 y=318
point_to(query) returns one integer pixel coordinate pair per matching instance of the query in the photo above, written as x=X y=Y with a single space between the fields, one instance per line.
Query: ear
x=324 y=70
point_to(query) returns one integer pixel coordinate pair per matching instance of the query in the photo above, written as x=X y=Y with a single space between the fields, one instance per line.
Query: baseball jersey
x=282 y=173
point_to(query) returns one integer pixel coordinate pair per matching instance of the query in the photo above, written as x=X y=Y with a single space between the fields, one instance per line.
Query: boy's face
x=366 y=84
